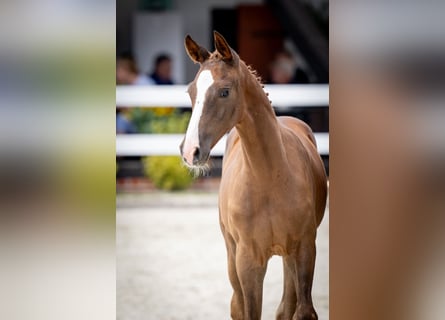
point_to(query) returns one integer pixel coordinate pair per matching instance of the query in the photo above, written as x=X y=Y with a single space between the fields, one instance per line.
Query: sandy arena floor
x=171 y=261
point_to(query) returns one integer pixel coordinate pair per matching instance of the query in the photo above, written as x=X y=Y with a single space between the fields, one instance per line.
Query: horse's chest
x=248 y=205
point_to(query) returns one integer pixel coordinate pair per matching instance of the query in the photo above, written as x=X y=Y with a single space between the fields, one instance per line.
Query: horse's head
x=215 y=98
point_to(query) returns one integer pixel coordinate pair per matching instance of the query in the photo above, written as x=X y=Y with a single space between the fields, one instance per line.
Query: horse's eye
x=224 y=93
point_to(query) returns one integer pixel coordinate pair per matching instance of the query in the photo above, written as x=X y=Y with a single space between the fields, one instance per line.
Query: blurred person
x=127 y=72
x=162 y=70
x=284 y=69
x=123 y=124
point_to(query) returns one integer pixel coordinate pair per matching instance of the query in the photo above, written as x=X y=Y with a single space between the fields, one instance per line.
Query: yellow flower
x=163 y=111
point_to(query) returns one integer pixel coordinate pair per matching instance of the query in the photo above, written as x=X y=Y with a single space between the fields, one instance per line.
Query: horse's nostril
x=196 y=154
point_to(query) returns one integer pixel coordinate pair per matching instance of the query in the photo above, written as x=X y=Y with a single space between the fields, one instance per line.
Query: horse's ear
x=223 y=47
x=195 y=51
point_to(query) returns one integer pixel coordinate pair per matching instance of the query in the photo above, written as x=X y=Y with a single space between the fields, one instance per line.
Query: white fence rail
x=282 y=96
x=289 y=95
x=168 y=144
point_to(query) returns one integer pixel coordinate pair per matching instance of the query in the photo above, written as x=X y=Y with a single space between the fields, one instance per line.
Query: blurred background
x=57 y=159
x=171 y=258
x=285 y=41
x=387 y=191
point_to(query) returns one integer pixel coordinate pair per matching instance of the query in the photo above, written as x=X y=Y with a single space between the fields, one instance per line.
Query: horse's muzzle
x=196 y=157
x=193 y=156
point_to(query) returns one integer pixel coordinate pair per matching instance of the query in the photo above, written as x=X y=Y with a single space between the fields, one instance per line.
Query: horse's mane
x=258 y=78
x=217 y=56
x=255 y=74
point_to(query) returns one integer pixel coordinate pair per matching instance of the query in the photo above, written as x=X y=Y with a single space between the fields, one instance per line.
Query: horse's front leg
x=288 y=303
x=237 y=302
x=305 y=263
x=251 y=274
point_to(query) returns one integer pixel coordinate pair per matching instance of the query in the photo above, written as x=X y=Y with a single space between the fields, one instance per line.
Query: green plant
x=159 y=120
x=167 y=172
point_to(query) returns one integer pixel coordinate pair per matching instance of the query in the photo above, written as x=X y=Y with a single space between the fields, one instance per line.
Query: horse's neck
x=262 y=144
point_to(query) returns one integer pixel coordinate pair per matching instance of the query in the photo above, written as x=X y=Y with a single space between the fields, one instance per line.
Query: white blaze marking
x=205 y=80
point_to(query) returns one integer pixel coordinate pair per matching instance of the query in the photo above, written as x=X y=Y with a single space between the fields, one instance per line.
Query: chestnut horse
x=273 y=187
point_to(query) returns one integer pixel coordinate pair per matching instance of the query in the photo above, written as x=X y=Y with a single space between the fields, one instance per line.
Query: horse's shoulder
x=299 y=127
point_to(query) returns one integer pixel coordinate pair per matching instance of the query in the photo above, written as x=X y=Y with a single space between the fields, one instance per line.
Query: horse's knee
x=305 y=312
x=237 y=306
x=287 y=306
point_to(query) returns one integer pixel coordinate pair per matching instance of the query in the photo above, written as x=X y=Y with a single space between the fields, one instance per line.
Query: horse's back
x=299 y=127
x=304 y=133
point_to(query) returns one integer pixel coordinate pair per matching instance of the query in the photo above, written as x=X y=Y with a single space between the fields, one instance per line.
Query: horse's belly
x=271 y=224
x=267 y=232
